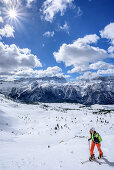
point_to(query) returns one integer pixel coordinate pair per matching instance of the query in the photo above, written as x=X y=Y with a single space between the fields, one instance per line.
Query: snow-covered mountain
x=54 y=89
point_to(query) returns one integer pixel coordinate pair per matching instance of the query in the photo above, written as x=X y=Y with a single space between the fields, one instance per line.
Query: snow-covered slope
x=54 y=89
x=53 y=136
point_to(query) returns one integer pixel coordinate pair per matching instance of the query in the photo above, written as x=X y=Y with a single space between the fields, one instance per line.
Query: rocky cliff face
x=53 y=89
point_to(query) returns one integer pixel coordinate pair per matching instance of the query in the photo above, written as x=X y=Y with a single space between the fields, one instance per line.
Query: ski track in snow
x=53 y=136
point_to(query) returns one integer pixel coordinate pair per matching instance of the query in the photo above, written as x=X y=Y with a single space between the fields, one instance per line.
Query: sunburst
x=13 y=13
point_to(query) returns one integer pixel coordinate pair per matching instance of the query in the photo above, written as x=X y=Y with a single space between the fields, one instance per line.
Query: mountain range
x=98 y=90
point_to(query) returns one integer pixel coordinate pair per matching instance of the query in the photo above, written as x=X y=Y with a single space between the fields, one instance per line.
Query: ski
x=85 y=161
x=94 y=160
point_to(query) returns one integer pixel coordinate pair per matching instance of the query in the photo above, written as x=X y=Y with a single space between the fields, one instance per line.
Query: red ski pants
x=98 y=147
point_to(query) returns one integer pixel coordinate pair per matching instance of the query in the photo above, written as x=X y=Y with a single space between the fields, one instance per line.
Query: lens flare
x=12 y=13
x=15 y=14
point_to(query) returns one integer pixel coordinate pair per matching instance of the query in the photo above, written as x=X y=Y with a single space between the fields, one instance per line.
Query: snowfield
x=53 y=136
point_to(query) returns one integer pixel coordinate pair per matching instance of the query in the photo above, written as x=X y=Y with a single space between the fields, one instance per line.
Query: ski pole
x=89 y=146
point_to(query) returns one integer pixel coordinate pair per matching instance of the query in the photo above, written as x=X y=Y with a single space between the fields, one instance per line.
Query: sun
x=12 y=13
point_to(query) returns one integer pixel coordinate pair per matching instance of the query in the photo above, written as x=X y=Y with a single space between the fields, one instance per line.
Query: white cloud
x=1 y=19
x=18 y=3
x=12 y=57
x=95 y=66
x=91 y=75
x=101 y=65
x=65 y=27
x=49 y=34
x=111 y=49
x=108 y=33
x=7 y=31
x=79 y=68
x=5 y=1
x=88 y=75
x=106 y=72
x=51 y=7
x=79 y=11
x=29 y=72
x=88 y=39
x=10 y=3
x=50 y=71
x=29 y=3
x=80 y=53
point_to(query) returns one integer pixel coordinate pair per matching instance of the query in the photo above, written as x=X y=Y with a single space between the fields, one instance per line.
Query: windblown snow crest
x=54 y=89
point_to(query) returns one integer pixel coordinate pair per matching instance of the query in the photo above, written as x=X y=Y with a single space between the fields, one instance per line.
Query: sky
x=66 y=38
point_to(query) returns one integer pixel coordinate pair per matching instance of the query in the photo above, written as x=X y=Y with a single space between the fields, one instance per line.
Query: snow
x=53 y=136
x=33 y=90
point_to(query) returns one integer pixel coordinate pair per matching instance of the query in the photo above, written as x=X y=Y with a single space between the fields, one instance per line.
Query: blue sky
x=70 y=38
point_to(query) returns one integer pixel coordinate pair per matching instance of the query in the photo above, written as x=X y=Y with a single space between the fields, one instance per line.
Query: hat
x=92 y=129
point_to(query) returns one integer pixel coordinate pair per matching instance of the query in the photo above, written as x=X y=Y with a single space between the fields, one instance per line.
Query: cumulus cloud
x=30 y=72
x=51 y=7
x=49 y=34
x=91 y=75
x=101 y=65
x=65 y=27
x=50 y=71
x=12 y=57
x=79 y=68
x=106 y=72
x=111 y=49
x=108 y=33
x=80 y=53
x=88 y=75
x=88 y=39
x=7 y=31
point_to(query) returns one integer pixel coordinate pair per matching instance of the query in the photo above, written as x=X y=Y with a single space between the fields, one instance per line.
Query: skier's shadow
x=108 y=162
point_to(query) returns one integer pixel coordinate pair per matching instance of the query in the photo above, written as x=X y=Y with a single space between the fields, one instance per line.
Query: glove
x=89 y=139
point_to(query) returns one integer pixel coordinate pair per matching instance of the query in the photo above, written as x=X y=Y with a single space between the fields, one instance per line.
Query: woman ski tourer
x=96 y=140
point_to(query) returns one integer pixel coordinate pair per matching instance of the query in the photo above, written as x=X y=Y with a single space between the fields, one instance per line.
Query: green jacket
x=95 y=137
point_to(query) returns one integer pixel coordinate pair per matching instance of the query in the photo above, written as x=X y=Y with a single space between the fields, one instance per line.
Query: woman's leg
x=99 y=149
x=92 y=148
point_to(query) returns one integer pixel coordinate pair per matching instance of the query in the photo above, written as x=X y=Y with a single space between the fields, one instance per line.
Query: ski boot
x=100 y=156
x=92 y=157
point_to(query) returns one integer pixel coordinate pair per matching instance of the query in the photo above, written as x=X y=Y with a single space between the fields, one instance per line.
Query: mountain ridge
x=54 y=89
